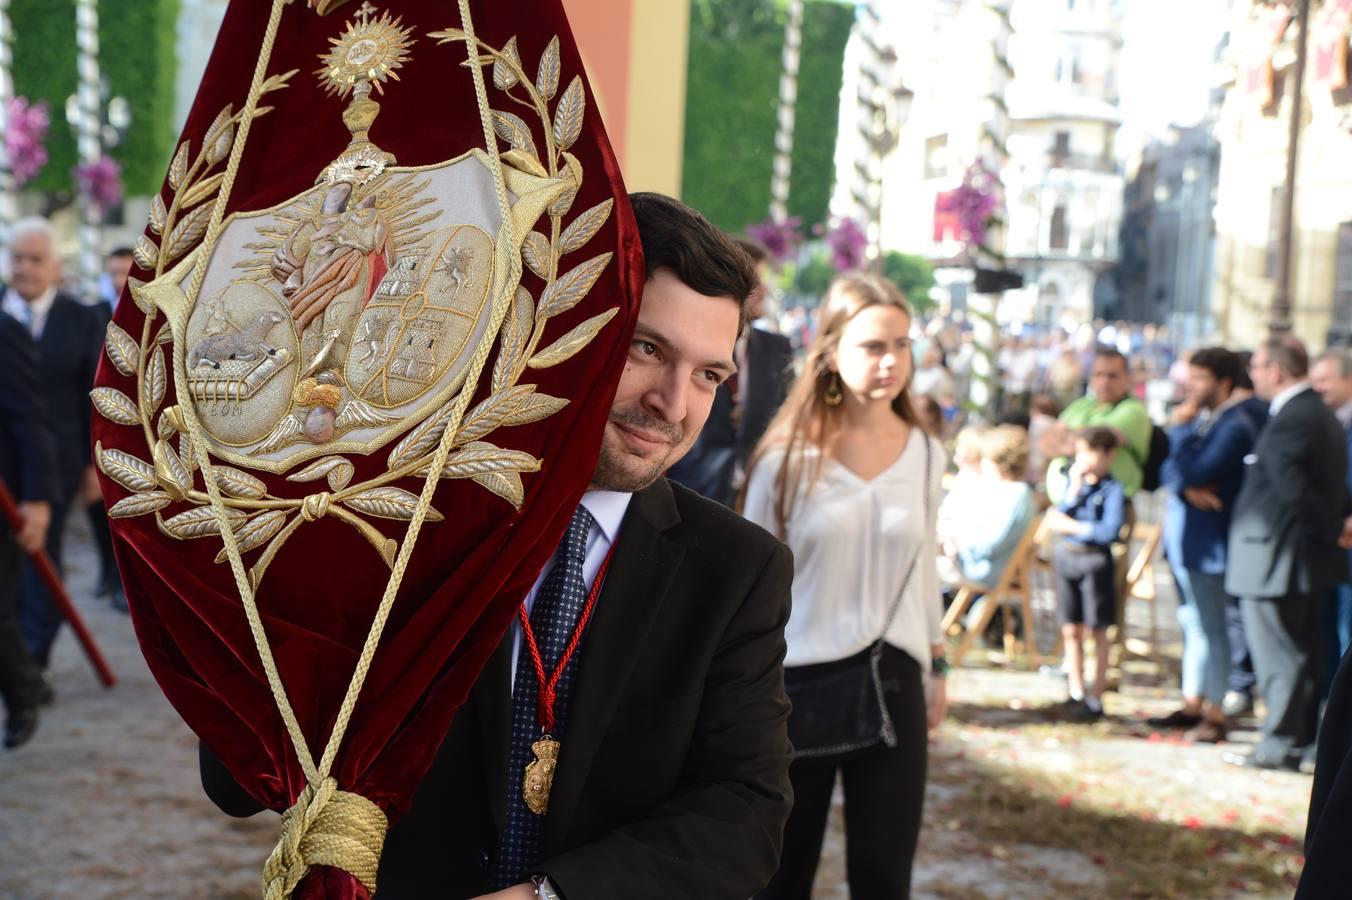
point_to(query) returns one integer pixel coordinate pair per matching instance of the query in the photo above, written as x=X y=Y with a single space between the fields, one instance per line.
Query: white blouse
x=852 y=541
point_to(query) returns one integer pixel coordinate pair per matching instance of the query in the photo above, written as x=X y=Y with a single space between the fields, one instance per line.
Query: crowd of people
x=857 y=453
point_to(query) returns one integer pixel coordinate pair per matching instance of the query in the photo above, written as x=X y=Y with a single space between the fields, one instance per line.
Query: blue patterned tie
x=557 y=607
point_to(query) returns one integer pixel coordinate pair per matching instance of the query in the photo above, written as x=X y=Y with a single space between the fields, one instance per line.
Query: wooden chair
x=1140 y=584
x=1013 y=589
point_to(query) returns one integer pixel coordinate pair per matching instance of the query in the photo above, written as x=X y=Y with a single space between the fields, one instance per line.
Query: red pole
x=47 y=572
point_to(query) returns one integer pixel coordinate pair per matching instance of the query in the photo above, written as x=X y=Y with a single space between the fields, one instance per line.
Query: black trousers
x=1283 y=635
x=20 y=678
x=884 y=797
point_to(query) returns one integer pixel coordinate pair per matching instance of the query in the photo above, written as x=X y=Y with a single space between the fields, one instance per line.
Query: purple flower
x=101 y=182
x=23 y=141
x=781 y=239
x=848 y=244
x=974 y=202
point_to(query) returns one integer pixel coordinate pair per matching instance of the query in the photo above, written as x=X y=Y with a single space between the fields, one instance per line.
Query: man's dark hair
x=120 y=253
x=1103 y=351
x=1223 y=364
x=1104 y=439
x=1244 y=382
x=1289 y=354
x=696 y=251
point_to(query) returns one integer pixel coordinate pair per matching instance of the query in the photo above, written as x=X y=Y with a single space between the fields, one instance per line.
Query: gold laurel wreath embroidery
x=262 y=520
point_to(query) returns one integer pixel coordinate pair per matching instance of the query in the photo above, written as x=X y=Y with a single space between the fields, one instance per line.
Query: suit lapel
x=493 y=701
x=644 y=564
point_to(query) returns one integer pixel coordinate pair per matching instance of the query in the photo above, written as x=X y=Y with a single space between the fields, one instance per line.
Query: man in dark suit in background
x=1331 y=377
x=69 y=339
x=1284 y=552
x=744 y=404
x=672 y=778
x=26 y=456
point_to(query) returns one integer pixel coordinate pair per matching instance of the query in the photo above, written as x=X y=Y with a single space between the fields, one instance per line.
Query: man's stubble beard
x=615 y=467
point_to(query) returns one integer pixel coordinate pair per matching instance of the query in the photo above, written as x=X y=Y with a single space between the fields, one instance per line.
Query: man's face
x=1108 y=379
x=34 y=266
x=118 y=269
x=1264 y=374
x=682 y=350
x=1203 y=388
x=1326 y=377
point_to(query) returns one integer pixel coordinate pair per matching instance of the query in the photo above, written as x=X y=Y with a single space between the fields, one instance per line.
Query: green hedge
x=136 y=56
x=732 y=92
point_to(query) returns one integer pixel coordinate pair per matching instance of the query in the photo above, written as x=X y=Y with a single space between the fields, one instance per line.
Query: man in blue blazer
x=1203 y=475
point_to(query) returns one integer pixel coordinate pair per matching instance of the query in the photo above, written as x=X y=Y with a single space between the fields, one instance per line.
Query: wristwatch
x=938 y=666
x=544 y=888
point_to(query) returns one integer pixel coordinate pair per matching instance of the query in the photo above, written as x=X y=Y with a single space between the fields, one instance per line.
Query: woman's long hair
x=806 y=419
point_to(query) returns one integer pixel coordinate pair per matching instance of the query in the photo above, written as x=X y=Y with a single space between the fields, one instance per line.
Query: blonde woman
x=847 y=477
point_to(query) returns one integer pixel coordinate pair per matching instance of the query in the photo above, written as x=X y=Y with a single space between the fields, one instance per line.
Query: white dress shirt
x=607 y=510
x=34 y=314
x=1284 y=397
x=852 y=542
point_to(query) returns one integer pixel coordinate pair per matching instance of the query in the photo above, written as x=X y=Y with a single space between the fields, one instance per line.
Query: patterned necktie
x=558 y=605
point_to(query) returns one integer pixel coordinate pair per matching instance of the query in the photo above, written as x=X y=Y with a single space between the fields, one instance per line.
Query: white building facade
x=1028 y=87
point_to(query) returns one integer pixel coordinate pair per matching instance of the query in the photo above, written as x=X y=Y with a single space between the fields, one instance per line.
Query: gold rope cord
x=327 y=826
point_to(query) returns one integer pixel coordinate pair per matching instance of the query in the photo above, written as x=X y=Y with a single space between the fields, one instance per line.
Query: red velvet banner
x=470 y=571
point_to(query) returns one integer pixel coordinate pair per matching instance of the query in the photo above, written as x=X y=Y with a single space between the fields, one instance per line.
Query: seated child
x=1088 y=520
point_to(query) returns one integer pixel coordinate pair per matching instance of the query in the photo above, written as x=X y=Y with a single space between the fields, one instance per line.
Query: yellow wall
x=635 y=52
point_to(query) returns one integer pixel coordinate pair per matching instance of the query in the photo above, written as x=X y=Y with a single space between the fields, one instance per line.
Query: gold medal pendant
x=540 y=775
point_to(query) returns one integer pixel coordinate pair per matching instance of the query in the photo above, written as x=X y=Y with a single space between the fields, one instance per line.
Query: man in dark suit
x=26 y=467
x=1331 y=377
x=744 y=404
x=1284 y=552
x=671 y=718
x=69 y=339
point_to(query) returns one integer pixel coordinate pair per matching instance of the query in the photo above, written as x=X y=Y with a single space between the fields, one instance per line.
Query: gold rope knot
x=326 y=827
x=316 y=506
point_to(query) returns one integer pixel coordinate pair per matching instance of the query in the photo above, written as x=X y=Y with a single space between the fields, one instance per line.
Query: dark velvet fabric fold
x=469 y=572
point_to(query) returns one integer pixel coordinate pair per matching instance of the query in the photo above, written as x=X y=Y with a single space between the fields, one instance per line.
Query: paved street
x=105 y=802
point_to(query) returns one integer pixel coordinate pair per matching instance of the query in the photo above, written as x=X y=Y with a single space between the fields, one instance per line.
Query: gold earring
x=834 y=395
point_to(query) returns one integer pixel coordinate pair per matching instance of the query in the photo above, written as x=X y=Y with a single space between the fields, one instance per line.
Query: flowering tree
x=101 y=182
x=973 y=204
x=780 y=238
x=28 y=123
x=848 y=245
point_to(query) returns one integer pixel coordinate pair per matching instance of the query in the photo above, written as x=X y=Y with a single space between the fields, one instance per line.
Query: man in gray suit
x=1284 y=552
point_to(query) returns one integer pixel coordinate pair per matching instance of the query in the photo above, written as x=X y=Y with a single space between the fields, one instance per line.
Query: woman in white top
x=840 y=477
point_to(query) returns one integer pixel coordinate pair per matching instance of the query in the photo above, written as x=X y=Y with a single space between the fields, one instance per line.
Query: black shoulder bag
x=838 y=708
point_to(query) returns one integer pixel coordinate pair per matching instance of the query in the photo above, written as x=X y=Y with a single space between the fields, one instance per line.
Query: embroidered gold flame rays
x=331 y=323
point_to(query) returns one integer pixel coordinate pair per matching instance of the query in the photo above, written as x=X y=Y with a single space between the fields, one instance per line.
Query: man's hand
x=1059 y=523
x=515 y=892
x=1205 y=498
x=37 y=515
x=1345 y=540
x=89 y=486
x=1183 y=413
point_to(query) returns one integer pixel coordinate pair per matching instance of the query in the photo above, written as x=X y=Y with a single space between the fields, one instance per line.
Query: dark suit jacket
x=26 y=449
x=71 y=341
x=673 y=780
x=728 y=441
x=1289 y=514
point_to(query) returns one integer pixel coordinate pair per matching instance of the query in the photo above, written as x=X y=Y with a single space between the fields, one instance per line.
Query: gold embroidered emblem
x=539 y=780
x=328 y=324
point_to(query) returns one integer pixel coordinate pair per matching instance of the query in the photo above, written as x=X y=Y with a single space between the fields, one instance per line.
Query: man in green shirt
x=1108 y=404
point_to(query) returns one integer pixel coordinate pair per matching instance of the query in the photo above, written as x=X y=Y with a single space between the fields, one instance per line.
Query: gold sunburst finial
x=369 y=51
